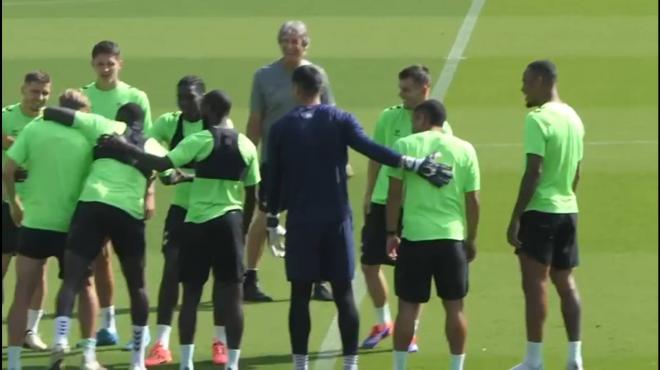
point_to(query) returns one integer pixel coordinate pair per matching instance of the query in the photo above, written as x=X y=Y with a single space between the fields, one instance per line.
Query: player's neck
x=28 y=112
x=308 y=102
x=106 y=85
x=291 y=65
x=552 y=97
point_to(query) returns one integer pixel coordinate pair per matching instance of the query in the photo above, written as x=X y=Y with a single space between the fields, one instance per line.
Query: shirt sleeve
x=92 y=126
x=152 y=146
x=257 y=100
x=18 y=152
x=358 y=140
x=534 y=137
x=143 y=102
x=159 y=130
x=397 y=172
x=187 y=150
x=473 y=177
x=252 y=175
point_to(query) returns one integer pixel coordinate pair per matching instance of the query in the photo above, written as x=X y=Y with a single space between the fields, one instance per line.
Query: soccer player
x=111 y=206
x=543 y=227
x=170 y=129
x=57 y=173
x=271 y=99
x=394 y=123
x=107 y=94
x=35 y=92
x=226 y=167
x=439 y=231
x=308 y=154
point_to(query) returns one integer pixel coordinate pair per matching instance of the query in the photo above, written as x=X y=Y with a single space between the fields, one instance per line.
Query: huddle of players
x=438 y=227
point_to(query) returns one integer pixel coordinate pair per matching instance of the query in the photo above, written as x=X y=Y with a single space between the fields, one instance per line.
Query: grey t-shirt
x=272 y=96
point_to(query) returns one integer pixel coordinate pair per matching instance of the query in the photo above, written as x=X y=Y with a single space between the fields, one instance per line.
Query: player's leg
x=219 y=346
x=105 y=287
x=413 y=273
x=300 y=321
x=28 y=272
x=9 y=242
x=168 y=292
x=35 y=312
x=348 y=321
x=88 y=310
x=564 y=260
x=451 y=280
x=128 y=240
x=535 y=256
x=256 y=240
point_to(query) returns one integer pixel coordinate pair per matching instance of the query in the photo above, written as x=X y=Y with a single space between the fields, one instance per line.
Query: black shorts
x=9 y=232
x=262 y=188
x=215 y=244
x=420 y=262
x=550 y=238
x=320 y=251
x=41 y=244
x=174 y=229
x=94 y=223
x=374 y=237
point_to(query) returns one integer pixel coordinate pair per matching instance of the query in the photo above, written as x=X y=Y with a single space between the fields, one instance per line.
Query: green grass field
x=607 y=55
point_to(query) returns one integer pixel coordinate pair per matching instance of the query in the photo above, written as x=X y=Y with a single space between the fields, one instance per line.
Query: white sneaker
x=525 y=366
x=90 y=365
x=574 y=366
x=33 y=341
x=57 y=355
x=137 y=367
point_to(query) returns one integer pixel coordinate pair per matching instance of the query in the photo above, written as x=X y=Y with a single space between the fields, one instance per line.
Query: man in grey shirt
x=271 y=98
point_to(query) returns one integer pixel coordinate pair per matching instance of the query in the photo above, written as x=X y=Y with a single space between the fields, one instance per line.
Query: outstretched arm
x=119 y=144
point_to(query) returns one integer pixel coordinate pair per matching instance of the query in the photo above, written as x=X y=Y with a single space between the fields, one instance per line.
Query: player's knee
x=371 y=271
x=564 y=284
x=534 y=287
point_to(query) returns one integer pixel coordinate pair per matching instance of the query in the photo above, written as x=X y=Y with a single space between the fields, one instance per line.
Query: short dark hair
x=434 y=110
x=130 y=113
x=106 y=47
x=544 y=68
x=193 y=81
x=218 y=102
x=309 y=79
x=418 y=73
x=36 y=76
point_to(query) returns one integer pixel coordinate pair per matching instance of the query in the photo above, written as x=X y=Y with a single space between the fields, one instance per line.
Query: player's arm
x=274 y=172
x=392 y=214
x=472 y=210
x=253 y=131
x=257 y=109
x=528 y=185
x=373 y=167
x=576 y=179
x=7 y=141
x=248 y=206
x=9 y=189
x=119 y=144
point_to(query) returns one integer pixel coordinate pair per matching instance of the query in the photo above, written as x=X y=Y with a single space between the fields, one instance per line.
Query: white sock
x=534 y=354
x=108 y=318
x=457 y=362
x=221 y=334
x=575 y=353
x=62 y=326
x=351 y=362
x=232 y=362
x=400 y=359
x=89 y=350
x=384 y=315
x=139 y=346
x=163 y=335
x=33 y=318
x=301 y=362
x=187 y=352
x=416 y=326
x=14 y=357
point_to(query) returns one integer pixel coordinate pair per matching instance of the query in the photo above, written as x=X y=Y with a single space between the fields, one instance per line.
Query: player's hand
x=20 y=175
x=437 y=174
x=470 y=250
x=512 y=233
x=276 y=234
x=349 y=171
x=393 y=242
x=16 y=213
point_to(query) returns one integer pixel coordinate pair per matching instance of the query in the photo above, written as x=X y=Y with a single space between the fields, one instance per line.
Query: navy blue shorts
x=320 y=251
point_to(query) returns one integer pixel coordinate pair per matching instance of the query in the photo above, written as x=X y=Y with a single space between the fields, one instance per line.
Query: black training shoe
x=322 y=293
x=252 y=293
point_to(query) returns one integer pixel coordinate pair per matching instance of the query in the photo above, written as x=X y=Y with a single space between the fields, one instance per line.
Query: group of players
x=92 y=192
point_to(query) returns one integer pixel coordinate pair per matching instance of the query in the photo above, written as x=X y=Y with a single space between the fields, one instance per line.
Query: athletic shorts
x=320 y=251
x=174 y=228
x=41 y=244
x=9 y=232
x=215 y=244
x=550 y=238
x=94 y=223
x=374 y=237
x=419 y=262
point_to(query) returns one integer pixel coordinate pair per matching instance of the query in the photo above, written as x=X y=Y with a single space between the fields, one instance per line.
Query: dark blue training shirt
x=307 y=157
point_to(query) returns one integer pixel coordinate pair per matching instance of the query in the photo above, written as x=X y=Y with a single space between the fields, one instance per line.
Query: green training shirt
x=58 y=159
x=212 y=198
x=555 y=132
x=163 y=131
x=431 y=213
x=393 y=123
x=13 y=122
x=107 y=102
